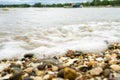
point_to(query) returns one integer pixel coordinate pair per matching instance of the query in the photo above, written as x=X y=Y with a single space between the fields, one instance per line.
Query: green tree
x=24 y=5
x=37 y=5
x=96 y=2
x=105 y=2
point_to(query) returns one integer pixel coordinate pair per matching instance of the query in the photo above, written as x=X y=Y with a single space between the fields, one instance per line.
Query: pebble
x=70 y=73
x=83 y=68
x=70 y=53
x=106 y=72
x=17 y=73
x=54 y=68
x=7 y=77
x=77 y=53
x=29 y=70
x=41 y=67
x=96 y=71
x=48 y=77
x=3 y=74
x=107 y=56
x=39 y=73
x=28 y=55
x=71 y=61
x=61 y=73
x=115 y=67
x=27 y=78
x=37 y=78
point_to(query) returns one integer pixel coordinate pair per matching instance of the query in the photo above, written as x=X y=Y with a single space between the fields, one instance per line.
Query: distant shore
x=68 y=7
x=93 y=3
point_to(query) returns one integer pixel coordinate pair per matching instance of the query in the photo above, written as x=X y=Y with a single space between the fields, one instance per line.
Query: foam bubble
x=45 y=42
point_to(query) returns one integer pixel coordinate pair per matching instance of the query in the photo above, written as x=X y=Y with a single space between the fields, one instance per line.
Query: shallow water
x=53 y=31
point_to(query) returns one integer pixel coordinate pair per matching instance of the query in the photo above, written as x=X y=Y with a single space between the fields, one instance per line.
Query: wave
x=92 y=37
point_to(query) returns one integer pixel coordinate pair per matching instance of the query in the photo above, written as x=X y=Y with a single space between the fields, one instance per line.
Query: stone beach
x=74 y=65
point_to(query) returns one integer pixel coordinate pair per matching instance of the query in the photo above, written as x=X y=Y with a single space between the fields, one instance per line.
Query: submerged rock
x=78 y=53
x=30 y=55
x=50 y=61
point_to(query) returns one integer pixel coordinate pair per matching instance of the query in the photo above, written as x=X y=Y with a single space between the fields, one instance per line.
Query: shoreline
x=66 y=8
x=74 y=65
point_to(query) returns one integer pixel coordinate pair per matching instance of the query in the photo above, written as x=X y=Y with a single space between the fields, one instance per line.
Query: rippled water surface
x=52 y=31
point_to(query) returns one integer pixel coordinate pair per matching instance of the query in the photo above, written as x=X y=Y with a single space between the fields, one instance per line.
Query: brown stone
x=70 y=53
x=69 y=73
x=106 y=72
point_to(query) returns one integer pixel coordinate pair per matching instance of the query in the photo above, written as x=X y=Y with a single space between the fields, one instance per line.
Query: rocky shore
x=74 y=65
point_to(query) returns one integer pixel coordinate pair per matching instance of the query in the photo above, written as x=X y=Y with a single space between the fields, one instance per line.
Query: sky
x=42 y=1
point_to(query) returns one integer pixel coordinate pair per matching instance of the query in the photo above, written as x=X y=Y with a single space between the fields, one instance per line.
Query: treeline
x=15 y=5
x=93 y=3
x=51 y=5
x=36 y=5
x=102 y=3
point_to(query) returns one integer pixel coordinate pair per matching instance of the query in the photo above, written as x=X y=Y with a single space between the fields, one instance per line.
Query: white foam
x=46 y=42
x=3 y=66
x=84 y=46
x=12 y=50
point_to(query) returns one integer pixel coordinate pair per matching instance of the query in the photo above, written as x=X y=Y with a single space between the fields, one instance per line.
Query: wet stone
x=70 y=53
x=28 y=55
x=83 y=68
x=17 y=72
x=106 y=72
x=70 y=73
x=61 y=73
x=111 y=47
x=49 y=66
x=32 y=73
x=4 y=60
x=77 y=53
x=27 y=78
x=41 y=67
x=118 y=56
x=55 y=57
x=15 y=65
x=50 y=61
x=4 y=74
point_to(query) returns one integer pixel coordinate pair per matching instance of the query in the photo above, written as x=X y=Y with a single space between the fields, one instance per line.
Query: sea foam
x=93 y=37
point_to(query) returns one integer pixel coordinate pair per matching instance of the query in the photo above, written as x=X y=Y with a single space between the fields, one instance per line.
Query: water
x=52 y=31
